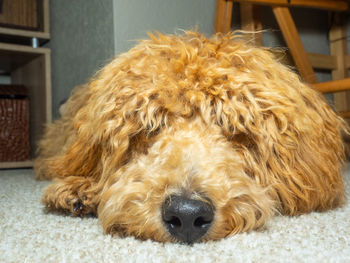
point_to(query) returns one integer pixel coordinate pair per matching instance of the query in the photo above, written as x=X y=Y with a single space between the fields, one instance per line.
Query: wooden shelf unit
x=10 y=165
x=24 y=36
x=30 y=67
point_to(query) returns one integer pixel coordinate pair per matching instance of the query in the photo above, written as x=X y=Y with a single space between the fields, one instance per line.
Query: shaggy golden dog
x=188 y=138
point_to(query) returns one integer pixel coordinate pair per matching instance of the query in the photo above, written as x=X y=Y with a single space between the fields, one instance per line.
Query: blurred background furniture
x=338 y=61
x=24 y=28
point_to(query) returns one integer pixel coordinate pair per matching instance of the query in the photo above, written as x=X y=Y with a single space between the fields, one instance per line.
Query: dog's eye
x=245 y=140
x=153 y=133
x=153 y=96
x=242 y=138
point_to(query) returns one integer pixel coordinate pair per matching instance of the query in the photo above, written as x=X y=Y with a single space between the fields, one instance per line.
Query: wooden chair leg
x=294 y=43
x=223 y=16
x=340 y=85
x=338 y=48
x=251 y=22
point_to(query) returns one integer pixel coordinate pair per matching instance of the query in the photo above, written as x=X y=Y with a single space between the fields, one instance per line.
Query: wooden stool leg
x=294 y=43
x=223 y=16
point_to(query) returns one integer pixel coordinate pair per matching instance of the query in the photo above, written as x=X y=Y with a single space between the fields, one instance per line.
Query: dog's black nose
x=187 y=219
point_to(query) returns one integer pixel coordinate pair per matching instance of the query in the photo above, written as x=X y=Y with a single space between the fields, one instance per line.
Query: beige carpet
x=27 y=234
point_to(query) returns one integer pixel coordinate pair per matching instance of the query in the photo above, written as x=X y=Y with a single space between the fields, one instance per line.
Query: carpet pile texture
x=29 y=234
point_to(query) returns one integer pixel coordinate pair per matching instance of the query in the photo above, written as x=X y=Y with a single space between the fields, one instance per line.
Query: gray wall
x=81 y=42
x=133 y=18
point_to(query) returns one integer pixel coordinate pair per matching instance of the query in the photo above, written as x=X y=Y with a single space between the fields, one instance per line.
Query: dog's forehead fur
x=219 y=78
x=212 y=118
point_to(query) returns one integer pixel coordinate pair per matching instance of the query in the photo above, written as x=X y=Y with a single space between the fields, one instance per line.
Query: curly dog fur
x=212 y=119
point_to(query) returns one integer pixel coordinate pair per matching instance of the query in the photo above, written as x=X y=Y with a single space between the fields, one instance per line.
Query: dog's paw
x=70 y=196
x=77 y=207
x=82 y=208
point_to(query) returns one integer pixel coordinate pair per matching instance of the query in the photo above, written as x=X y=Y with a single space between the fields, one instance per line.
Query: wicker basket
x=14 y=123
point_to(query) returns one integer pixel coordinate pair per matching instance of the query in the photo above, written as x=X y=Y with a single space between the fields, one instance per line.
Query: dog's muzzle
x=187 y=219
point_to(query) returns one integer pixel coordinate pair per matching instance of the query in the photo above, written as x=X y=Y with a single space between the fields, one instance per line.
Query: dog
x=187 y=139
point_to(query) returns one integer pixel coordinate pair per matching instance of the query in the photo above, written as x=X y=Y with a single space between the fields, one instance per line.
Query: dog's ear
x=117 y=119
x=107 y=129
x=288 y=136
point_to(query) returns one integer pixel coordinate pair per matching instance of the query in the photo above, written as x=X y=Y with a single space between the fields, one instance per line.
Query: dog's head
x=190 y=185
x=194 y=134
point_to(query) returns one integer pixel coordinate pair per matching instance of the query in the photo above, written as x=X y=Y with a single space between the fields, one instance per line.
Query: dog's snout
x=187 y=219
